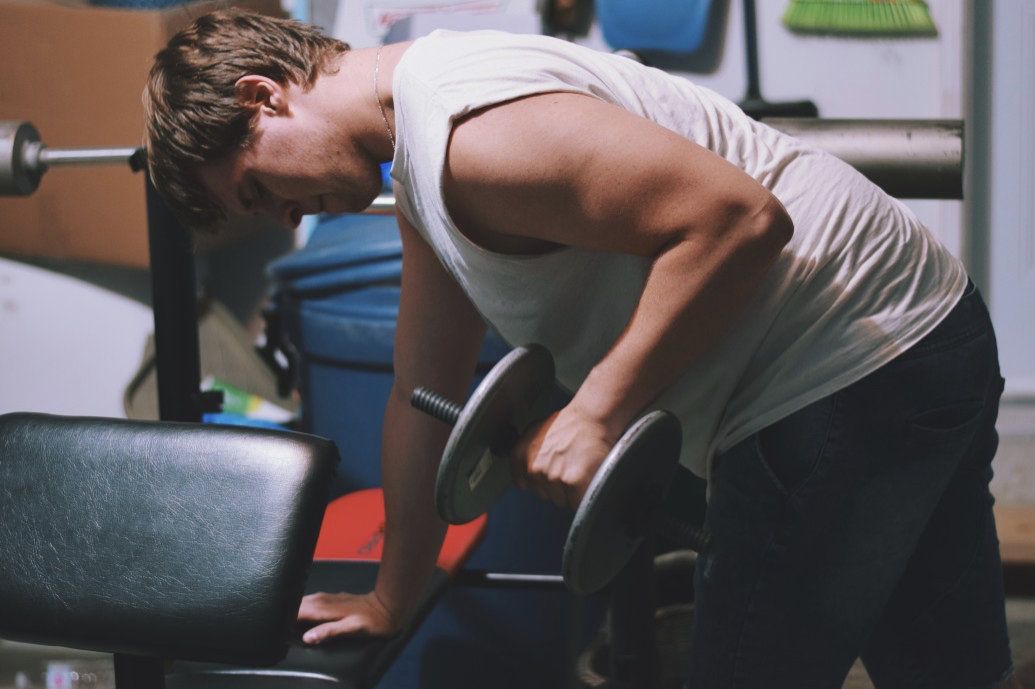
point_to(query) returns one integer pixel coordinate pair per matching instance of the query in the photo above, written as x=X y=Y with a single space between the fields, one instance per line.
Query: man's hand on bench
x=341 y=614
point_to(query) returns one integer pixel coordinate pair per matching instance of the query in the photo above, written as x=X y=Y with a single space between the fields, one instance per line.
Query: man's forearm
x=695 y=291
x=411 y=447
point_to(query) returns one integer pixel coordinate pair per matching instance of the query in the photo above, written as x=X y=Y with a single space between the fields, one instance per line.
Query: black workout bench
x=164 y=541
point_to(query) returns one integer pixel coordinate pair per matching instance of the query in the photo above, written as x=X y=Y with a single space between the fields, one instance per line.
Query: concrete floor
x=1020 y=614
x=23 y=666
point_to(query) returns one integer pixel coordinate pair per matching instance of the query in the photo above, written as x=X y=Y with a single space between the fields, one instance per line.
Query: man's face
x=296 y=164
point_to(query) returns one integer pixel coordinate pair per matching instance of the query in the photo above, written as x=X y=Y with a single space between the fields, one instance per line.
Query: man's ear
x=260 y=94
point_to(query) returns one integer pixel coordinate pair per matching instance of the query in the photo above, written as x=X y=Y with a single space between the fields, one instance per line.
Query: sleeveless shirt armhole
x=403 y=207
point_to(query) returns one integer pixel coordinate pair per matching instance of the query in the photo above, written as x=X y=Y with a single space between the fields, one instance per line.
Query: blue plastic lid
x=374 y=302
x=343 y=250
x=673 y=26
x=342 y=292
x=352 y=327
x=357 y=327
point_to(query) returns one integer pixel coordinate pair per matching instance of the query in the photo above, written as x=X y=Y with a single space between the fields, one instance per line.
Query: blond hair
x=192 y=114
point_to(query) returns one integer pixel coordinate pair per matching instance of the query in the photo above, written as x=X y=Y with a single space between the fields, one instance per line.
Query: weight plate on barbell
x=19 y=171
x=621 y=503
x=514 y=394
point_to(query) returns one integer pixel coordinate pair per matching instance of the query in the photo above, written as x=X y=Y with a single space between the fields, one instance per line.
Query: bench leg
x=136 y=672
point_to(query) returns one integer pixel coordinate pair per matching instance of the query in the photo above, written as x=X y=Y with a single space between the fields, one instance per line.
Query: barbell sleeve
x=50 y=157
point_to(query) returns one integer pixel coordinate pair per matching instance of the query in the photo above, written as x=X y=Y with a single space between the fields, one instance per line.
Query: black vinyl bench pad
x=155 y=538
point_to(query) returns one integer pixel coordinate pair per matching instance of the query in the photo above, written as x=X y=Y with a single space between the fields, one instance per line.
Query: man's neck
x=347 y=96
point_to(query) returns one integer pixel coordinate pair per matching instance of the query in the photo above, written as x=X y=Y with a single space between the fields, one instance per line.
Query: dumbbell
x=24 y=158
x=622 y=504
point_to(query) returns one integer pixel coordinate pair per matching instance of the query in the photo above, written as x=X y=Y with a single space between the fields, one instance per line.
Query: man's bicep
x=571 y=169
x=439 y=331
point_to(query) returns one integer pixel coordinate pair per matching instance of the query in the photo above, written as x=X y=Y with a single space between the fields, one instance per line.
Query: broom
x=867 y=18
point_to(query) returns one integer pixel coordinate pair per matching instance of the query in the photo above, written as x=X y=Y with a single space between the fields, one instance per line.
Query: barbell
x=24 y=158
x=909 y=159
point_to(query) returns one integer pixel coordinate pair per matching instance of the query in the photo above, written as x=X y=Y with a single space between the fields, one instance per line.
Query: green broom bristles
x=860 y=17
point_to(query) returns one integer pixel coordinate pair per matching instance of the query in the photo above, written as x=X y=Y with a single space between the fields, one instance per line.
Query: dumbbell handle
x=448 y=411
x=679 y=531
x=435 y=405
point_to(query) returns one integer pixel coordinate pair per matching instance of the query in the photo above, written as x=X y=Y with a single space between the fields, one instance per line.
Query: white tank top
x=860 y=282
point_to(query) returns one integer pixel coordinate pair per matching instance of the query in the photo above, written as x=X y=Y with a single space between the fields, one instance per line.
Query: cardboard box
x=76 y=72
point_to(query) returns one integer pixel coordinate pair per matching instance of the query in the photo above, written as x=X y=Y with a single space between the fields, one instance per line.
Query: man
x=835 y=375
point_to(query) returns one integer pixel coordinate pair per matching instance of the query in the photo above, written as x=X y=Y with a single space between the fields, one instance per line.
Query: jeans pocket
x=790 y=450
x=949 y=423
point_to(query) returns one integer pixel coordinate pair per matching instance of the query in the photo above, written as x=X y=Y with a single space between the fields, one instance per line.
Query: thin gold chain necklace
x=377 y=95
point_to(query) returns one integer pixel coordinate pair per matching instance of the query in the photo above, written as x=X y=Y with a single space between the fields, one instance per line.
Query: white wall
x=66 y=345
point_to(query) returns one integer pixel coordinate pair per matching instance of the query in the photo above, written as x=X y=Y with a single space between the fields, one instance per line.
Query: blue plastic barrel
x=339 y=297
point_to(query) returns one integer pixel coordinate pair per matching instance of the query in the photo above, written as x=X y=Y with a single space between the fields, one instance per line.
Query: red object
x=354 y=529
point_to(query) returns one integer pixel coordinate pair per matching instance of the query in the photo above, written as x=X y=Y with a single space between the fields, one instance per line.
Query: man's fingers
x=524 y=451
x=521 y=455
x=318 y=607
x=550 y=491
x=314 y=613
x=322 y=632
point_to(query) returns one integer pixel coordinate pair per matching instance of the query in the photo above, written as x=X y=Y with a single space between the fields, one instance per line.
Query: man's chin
x=337 y=204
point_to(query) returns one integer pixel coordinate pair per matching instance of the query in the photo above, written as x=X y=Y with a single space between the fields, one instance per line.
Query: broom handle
x=751 y=45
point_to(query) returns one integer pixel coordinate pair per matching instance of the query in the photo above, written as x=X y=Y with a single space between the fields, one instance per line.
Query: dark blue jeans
x=861 y=526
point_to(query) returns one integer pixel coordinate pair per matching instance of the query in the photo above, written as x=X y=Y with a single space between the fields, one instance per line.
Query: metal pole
x=909 y=159
x=174 y=301
x=754 y=90
x=977 y=222
x=50 y=157
x=481 y=579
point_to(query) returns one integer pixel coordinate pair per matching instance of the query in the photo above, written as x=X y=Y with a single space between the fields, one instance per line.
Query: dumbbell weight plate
x=621 y=502
x=514 y=394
